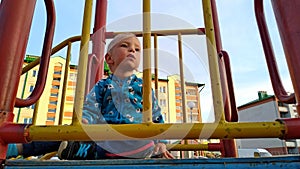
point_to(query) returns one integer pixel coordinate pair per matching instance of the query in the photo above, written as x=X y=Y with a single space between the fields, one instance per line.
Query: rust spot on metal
x=3 y=116
x=238 y=129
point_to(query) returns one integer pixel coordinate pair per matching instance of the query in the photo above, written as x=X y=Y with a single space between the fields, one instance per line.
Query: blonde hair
x=118 y=38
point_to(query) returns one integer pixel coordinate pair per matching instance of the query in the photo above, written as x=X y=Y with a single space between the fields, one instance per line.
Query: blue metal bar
x=228 y=163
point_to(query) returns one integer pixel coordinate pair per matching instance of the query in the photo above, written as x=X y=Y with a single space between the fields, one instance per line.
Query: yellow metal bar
x=31 y=65
x=182 y=84
x=157 y=131
x=182 y=81
x=213 y=63
x=64 y=89
x=166 y=32
x=65 y=43
x=147 y=94
x=78 y=38
x=82 y=63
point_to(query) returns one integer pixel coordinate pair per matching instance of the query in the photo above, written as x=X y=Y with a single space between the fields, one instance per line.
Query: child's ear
x=108 y=58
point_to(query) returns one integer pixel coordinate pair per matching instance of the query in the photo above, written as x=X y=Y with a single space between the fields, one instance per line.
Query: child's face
x=125 y=55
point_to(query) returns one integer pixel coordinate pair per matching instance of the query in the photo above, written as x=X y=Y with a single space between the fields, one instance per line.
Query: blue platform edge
x=282 y=162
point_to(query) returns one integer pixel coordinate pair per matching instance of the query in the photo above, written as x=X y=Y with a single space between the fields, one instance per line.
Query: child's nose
x=132 y=49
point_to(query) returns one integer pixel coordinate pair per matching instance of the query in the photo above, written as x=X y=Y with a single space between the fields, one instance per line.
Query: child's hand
x=84 y=121
x=162 y=148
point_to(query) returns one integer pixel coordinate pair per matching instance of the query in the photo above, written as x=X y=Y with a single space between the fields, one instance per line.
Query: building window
x=191 y=92
x=162 y=102
x=57 y=79
x=179 y=114
x=32 y=106
x=27 y=120
x=178 y=101
x=162 y=89
x=52 y=110
x=72 y=77
x=57 y=72
x=31 y=88
x=178 y=94
x=53 y=102
x=54 y=94
x=50 y=118
x=55 y=87
x=34 y=73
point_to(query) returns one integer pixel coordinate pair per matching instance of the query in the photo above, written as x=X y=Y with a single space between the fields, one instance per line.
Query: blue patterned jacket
x=116 y=101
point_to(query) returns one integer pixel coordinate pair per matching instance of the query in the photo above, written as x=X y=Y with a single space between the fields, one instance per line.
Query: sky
x=239 y=34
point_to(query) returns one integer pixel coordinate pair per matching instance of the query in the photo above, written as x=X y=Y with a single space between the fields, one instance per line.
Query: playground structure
x=225 y=128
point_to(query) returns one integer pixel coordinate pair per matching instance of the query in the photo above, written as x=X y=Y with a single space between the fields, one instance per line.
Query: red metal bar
x=90 y=78
x=96 y=63
x=15 y=18
x=216 y=26
x=214 y=147
x=292 y=126
x=225 y=91
x=45 y=58
x=228 y=147
x=234 y=112
x=278 y=88
x=14 y=133
x=288 y=22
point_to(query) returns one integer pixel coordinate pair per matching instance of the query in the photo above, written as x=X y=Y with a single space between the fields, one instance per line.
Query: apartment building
x=177 y=107
x=48 y=106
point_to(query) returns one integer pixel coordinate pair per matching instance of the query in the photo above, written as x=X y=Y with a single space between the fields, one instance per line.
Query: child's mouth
x=131 y=56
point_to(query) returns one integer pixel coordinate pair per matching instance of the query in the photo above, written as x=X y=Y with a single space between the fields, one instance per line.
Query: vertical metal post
x=147 y=94
x=98 y=38
x=82 y=63
x=15 y=18
x=288 y=22
x=182 y=81
x=64 y=89
x=183 y=91
x=213 y=63
x=156 y=65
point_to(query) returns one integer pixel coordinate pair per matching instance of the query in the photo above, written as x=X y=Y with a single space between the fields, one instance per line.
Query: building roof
x=262 y=98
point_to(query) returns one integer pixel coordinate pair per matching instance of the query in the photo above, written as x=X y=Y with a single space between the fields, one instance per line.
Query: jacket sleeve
x=92 y=105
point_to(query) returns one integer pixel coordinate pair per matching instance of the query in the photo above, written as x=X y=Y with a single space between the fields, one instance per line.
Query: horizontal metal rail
x=145 y=131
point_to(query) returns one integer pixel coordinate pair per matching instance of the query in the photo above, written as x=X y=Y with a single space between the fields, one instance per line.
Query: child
x=117 y=100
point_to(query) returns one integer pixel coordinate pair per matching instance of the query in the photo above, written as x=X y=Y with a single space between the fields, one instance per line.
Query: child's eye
x=137 y=49
x=124 y=45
